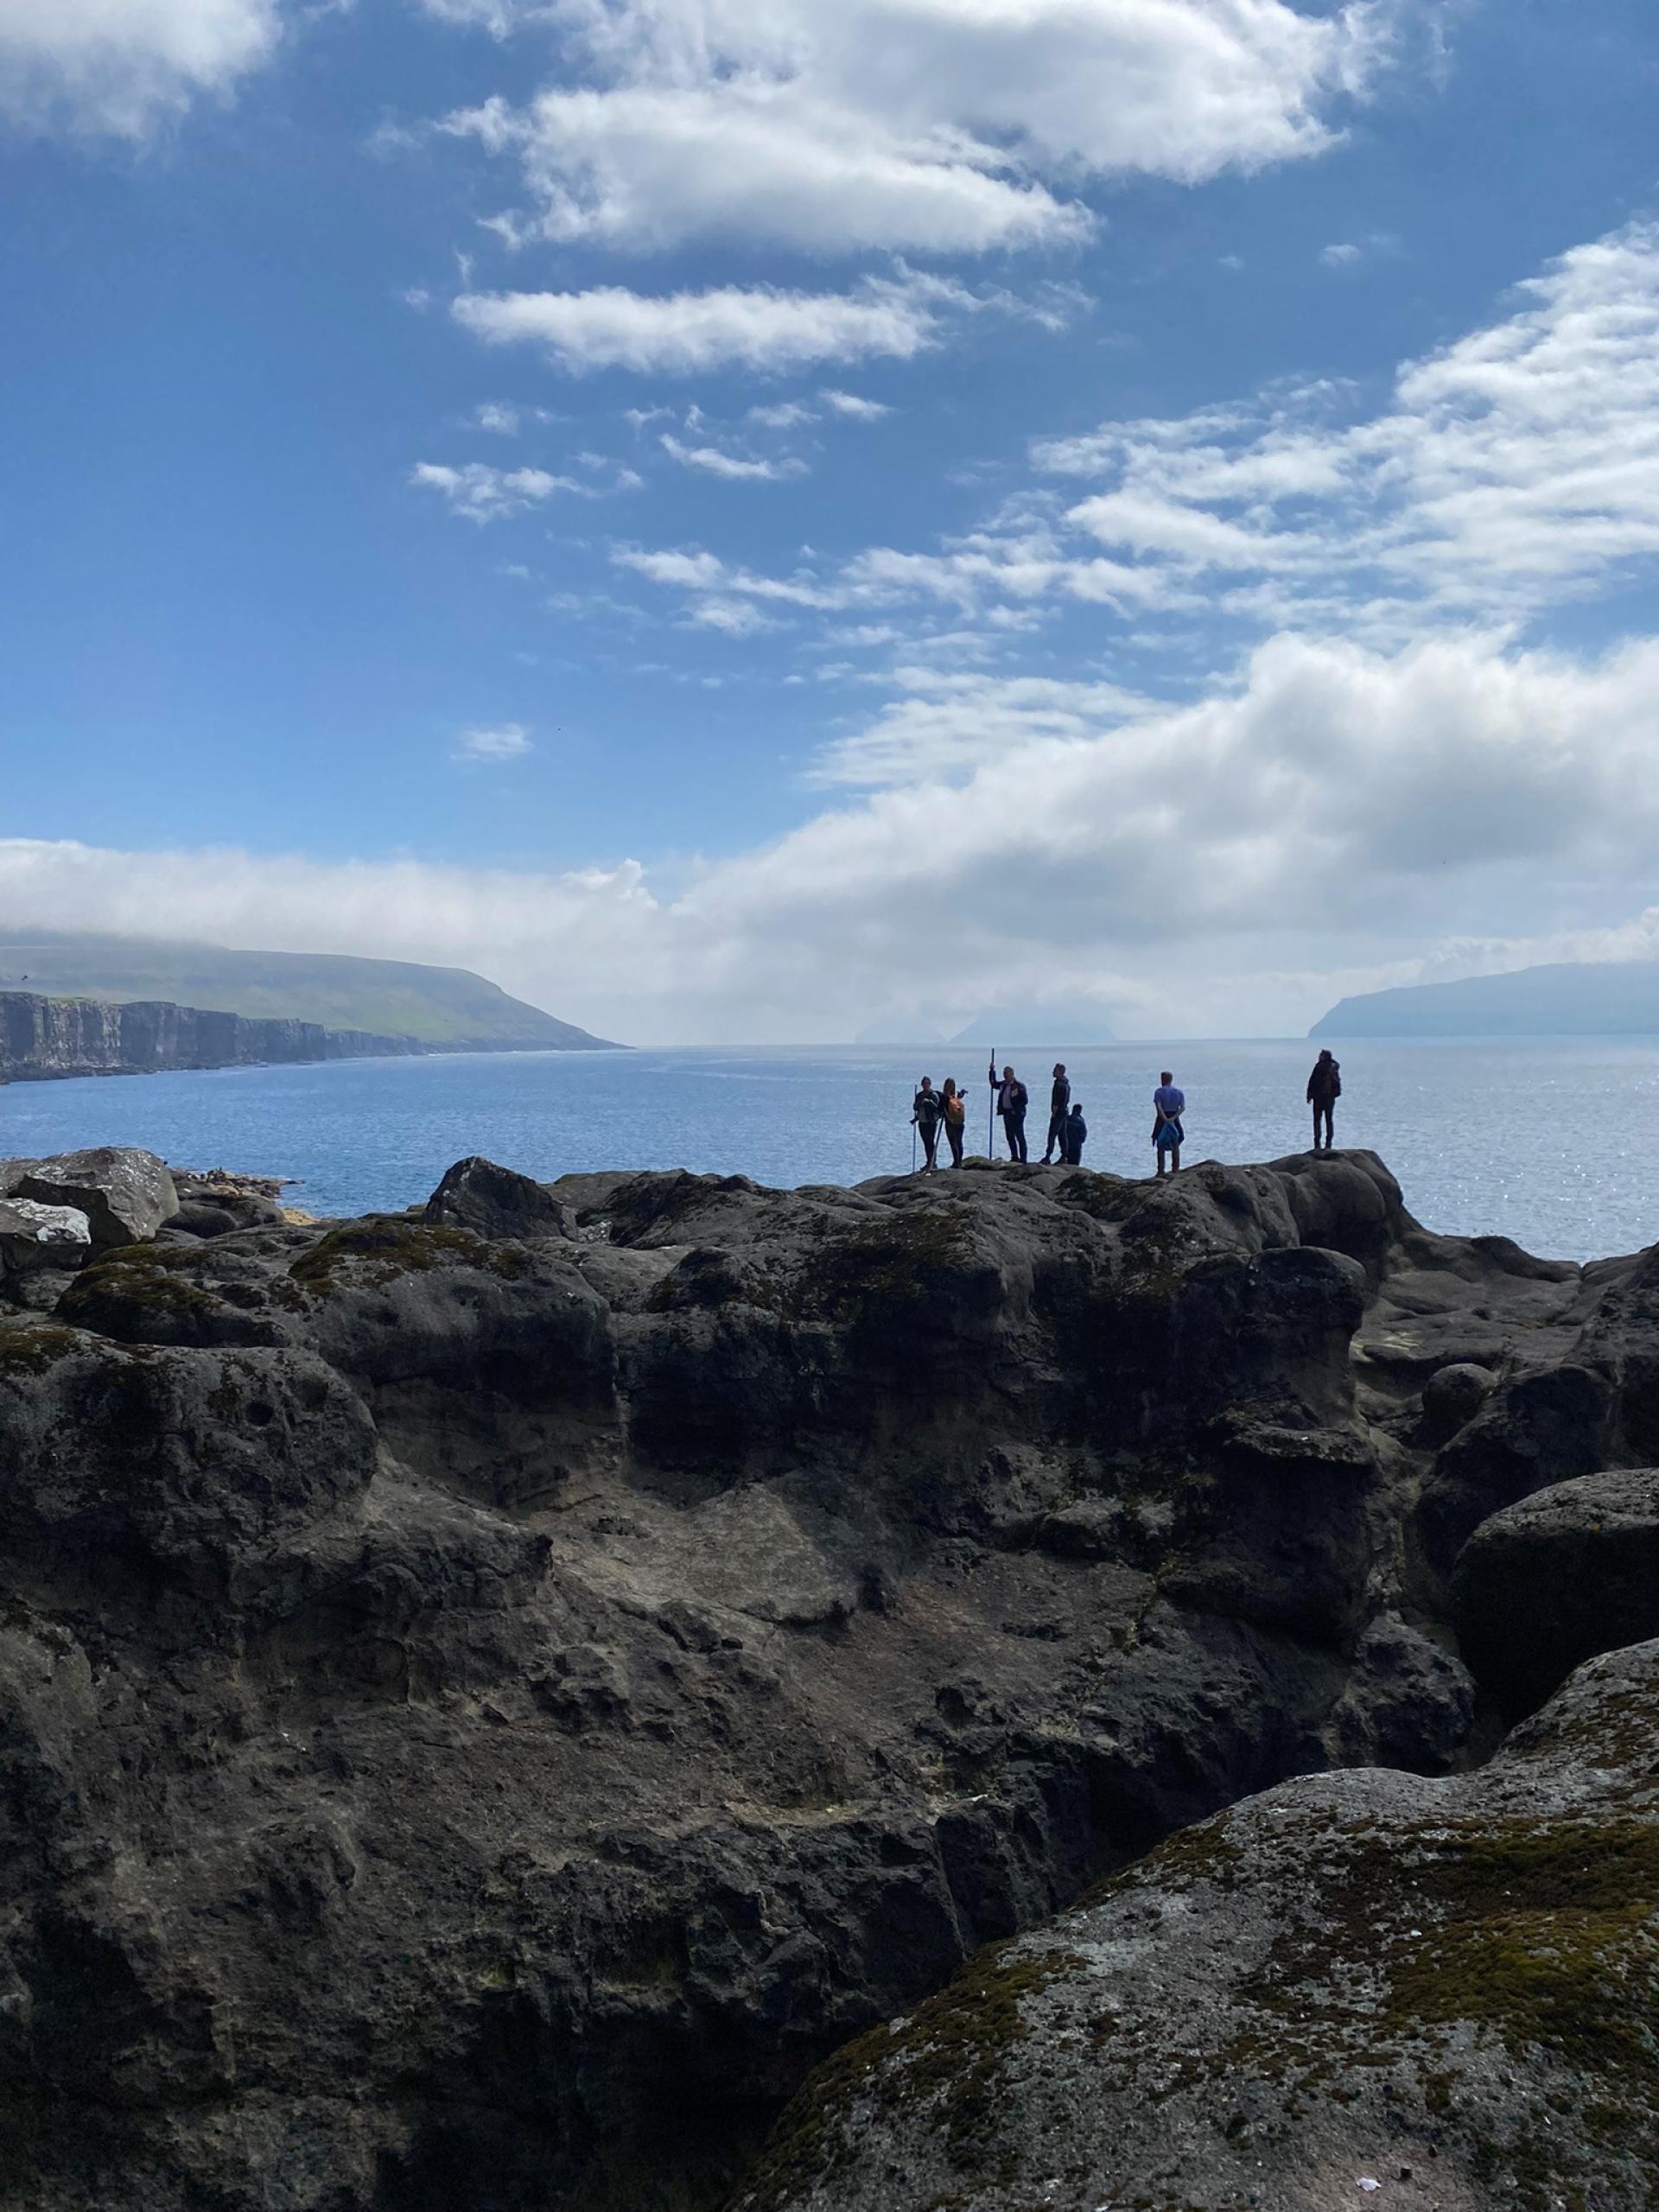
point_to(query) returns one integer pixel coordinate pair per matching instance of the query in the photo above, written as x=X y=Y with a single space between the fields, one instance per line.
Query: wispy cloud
x=851 y=405
x=501 y=741
x=735 y=467
x=485 y=495
x=683 y=333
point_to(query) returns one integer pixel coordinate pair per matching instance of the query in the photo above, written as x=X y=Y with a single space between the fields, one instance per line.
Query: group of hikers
x=946 y=1110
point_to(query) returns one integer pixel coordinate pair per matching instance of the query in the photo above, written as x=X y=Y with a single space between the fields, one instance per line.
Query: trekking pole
x=991 y=1113
x=912 y=1144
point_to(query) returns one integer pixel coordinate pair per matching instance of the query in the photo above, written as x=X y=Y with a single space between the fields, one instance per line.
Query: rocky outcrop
x=1568 y=1573
x=1370 y=1986
x=42 y=1037
x=490 y=1696
x=125 y=1195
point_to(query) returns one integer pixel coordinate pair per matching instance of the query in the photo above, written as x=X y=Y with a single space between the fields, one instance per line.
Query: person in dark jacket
x=1012 y=1100
x=1076 y=1132
x=927 y=1111
x=1059 y=1098
x=1324 y=1089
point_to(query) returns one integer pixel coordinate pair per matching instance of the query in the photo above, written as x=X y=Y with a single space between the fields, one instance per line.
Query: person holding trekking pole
x=1012 y=1099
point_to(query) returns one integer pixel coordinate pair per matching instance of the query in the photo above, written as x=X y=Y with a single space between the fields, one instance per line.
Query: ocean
x=1551 y=1142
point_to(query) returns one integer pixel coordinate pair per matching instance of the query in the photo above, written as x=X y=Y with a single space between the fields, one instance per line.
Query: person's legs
x=955 y=1135
x=1056 y=1136
x=1316 y=1127
x=930 y=1145
x=1175 y=1160
x=1331 y=1126
x=1015 y=1126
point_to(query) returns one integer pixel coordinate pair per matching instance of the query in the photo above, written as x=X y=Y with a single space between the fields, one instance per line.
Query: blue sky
x=739 y=520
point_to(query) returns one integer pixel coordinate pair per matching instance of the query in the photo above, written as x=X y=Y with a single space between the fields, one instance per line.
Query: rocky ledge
x=491 y=1697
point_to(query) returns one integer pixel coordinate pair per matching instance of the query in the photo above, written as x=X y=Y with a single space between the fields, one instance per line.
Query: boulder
x=125 y=1194
x=1367 y=1986
x=1571 y=1571
x=495 y=1201
x=34 y=1236
x=1456 y=1393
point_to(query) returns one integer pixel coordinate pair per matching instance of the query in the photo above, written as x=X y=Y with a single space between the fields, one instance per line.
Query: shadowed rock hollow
x=490 y=1697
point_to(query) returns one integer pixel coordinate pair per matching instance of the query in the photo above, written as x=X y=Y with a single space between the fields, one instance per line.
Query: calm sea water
x=1555 y=1144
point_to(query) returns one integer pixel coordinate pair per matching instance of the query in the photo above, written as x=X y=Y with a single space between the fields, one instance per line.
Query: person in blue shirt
x=1074 y=1136
x=1167 y=1135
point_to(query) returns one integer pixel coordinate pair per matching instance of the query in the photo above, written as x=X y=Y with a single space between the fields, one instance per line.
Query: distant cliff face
x=42 y=1037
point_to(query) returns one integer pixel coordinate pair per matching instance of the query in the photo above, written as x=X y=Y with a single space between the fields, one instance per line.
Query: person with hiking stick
x=1012 y=1099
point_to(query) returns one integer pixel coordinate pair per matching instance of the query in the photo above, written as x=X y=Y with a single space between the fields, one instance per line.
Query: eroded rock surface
x=489 y=1697
x=1437 y=1996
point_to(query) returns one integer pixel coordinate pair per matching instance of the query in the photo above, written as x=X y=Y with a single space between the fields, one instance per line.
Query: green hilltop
x=445 y=1008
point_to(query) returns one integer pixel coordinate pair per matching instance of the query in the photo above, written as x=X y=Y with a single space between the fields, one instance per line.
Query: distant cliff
x=1581 y=999
x=42 y=1037
x=442 y=1009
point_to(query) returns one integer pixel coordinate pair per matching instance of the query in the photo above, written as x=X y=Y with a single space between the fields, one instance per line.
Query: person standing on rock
x=1168 y=1104
x=1324 y=1089
x=954 y=1108
x=927 y=1110
x=1012 y=1100
x=1076 y=1132
x=1059 y=1100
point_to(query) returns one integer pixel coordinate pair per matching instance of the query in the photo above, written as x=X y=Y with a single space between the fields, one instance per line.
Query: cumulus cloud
x=1178 y=850
x=504 y=742
x=958 y=126
x=124 y=66
x=686 y=334
x=485 y=495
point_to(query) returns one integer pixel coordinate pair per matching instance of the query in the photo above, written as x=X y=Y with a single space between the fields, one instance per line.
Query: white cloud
x=485 y=495
x=944 y=125
x=495 y=416
x=850 y=405
x=1350 y=253
x=735 y=467
x=1181 y=852
x=124 y=66
x=787 y=415
x=687 y=334
x=503 y=742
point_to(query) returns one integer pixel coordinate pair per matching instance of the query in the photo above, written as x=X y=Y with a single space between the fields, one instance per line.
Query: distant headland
x=1578 y=998
x=93 y=1005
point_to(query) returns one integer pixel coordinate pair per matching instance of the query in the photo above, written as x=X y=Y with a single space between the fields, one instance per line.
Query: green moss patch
x=382 y=1247
x=942 y=2059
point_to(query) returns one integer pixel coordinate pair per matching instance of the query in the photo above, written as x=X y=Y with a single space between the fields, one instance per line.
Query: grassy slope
x=392 y=998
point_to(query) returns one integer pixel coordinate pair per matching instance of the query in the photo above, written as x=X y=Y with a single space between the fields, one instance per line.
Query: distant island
x=1019 y=1027
x=390 y=1006
x=1582 y=999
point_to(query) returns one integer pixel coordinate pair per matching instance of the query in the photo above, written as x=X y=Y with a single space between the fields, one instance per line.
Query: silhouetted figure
x=1168 y=1136
x=1324 y=1089
x=955 y=1117
x=927 y=1111
x=1012 y=1100
x=1059 y=1098
x=1076 y=1135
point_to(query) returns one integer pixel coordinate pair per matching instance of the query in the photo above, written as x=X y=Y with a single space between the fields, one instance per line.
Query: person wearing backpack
x=1059 y=1098
x=954 y=1108
x=1012 y=1100
x=1324 y=1089
x=1076 y=1132
x=1168 y=1132
x=927 y=1111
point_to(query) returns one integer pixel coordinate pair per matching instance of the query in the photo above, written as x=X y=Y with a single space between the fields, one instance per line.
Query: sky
x=745 y=520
